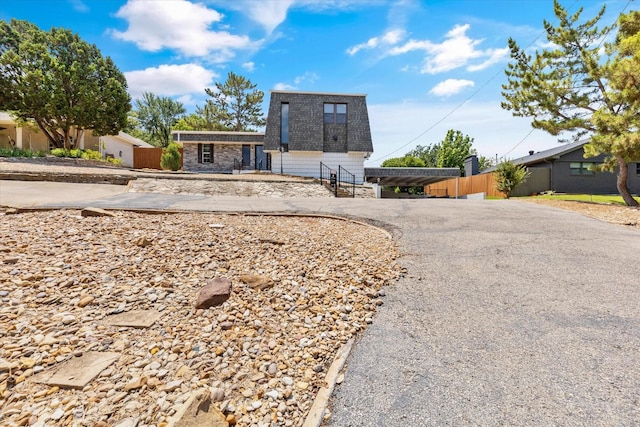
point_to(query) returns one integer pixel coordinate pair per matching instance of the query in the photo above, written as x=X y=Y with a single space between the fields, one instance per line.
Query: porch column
x=18 y=137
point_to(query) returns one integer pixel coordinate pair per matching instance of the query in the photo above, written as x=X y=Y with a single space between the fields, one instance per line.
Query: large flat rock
x=134 y=318
x=78 y=371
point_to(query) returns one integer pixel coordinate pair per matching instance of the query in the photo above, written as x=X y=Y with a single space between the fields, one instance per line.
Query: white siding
x=307 y=163
x=118 y=149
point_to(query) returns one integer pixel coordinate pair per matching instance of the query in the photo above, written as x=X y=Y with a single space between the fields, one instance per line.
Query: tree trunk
x=623 y=189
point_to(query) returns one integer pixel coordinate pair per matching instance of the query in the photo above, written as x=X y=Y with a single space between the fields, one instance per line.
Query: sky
x=425 y=66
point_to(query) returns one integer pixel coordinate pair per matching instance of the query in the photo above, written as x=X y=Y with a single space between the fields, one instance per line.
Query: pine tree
x=571 y=88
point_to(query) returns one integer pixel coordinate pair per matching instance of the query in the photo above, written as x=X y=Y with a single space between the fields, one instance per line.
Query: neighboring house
x=25 y=137
x=306 y=128
x=569 y=171
x=222 y=152
x=303 y=130
x=121 y=146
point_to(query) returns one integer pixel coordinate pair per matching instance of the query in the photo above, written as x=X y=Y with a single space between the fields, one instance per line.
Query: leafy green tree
x=570 y=87
x=196 y=121
x=61 y=82
x=509 y=176
x=170 y=158
x=407 y=161
x=454 y=149
x=157 y=115
x=428 y=154
x=236 y=105
x=485 y=163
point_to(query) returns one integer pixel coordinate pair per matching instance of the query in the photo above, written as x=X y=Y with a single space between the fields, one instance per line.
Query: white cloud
x=495 y=131
x=308 y=77
x=79 y=6
x=249 y=66
x=179 y=25
x=268 y=13
x=390 y=37
x=283 y=86
x=495 y=56
x=451 y=87
x=457 y=50
x=271 y=13
x=169 y=80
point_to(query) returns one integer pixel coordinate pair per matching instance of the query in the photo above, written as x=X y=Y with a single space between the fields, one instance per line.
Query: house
x=304 y=130
x=222 y=152
x=119 y=146
x=564 y=169
x=307 y=128
x=24 y=137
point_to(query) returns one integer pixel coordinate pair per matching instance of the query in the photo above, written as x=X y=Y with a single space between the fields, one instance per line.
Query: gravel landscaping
x=301 y=288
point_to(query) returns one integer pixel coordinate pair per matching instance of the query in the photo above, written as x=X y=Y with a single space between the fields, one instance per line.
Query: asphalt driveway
x=509 y=314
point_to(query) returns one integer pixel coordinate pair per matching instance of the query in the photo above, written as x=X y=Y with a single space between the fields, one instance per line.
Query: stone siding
x=223 y=158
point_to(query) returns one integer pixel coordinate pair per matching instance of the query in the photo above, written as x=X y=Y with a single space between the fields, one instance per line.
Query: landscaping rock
x=215 y=292
x=95 y=212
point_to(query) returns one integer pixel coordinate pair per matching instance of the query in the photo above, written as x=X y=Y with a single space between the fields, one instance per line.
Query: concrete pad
x=25 y=194
x=135 y=318
x=78 y=371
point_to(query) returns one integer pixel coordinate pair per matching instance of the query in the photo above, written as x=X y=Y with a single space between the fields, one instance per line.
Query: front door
x=246 y=156
x=261 y=159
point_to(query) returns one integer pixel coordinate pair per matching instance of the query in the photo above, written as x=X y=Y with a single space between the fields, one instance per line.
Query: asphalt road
x=510 y=313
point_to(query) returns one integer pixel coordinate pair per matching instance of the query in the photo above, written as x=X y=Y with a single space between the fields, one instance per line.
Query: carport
x=407 y=177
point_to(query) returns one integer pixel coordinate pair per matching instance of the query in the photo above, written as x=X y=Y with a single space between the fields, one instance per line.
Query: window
x=581 y=168
x=638 y=168
x=205 y=153
x=335 y=114
x=284 y=123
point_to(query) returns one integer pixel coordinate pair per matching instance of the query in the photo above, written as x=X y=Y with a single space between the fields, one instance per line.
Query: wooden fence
x=149 y=158
x=538 y=181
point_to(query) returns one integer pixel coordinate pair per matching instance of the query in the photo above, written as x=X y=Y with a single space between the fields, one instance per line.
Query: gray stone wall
x=307 y=131
x=223 y=157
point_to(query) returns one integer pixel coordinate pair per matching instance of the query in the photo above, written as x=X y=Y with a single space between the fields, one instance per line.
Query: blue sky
x=426 y=66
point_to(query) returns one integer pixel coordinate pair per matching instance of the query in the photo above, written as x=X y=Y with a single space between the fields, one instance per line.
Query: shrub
x=76 y=153
x=59 y=152
x=114 y=161
x=19 y=152
x=171 y=157
x=91 y=155
x=509 y=177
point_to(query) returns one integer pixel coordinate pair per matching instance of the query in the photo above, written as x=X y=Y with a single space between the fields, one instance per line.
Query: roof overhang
x=409 y=177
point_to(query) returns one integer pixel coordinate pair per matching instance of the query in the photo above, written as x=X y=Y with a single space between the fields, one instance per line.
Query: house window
x=205 y=153
x=335 y=114
x=638 y=168
x=284 y=123
x=581 y=168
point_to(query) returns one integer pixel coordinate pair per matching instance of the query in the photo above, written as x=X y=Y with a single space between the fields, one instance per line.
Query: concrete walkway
x=509 y=314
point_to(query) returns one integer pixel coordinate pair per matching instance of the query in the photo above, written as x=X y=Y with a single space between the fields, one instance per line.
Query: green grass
x=591 y=198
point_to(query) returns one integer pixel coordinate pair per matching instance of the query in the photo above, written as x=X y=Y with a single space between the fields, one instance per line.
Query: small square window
x=638 y=168
x=335 y=114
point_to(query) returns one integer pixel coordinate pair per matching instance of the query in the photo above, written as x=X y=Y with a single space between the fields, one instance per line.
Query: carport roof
x=409 y=177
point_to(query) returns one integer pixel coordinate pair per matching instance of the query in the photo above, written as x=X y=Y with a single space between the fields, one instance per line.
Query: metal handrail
x=325 y=173
x=349 y=179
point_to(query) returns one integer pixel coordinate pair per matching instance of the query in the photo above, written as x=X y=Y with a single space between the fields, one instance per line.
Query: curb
x=320 y=403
